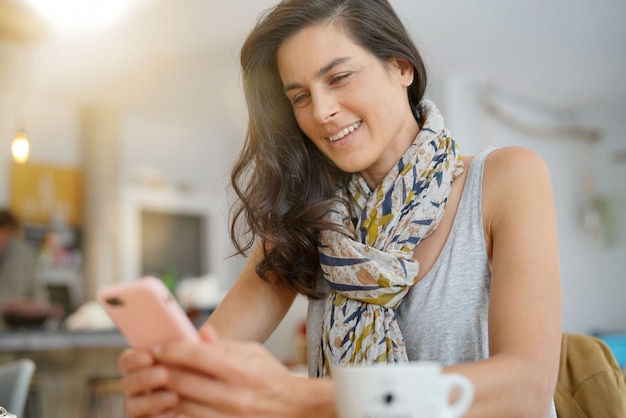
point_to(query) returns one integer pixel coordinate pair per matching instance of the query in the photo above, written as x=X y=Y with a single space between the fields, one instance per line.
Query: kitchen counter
x=55 y=337
x=42 y=339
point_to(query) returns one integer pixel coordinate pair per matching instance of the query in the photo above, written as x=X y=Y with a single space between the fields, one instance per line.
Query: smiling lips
x=345 y=132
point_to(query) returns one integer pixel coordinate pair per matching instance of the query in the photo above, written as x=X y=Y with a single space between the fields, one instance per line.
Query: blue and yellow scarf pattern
x=370 y=274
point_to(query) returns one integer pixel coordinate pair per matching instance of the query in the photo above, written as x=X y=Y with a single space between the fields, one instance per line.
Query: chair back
x=15 y=378
x=590 y=383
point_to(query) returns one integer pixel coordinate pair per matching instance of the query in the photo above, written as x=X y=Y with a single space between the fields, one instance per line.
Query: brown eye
x=299 y=98
x=339 y=78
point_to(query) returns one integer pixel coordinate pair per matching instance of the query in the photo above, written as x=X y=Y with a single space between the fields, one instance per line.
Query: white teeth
x=345 y=132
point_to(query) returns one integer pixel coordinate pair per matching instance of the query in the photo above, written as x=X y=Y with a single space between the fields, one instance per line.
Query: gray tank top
x=444 y=317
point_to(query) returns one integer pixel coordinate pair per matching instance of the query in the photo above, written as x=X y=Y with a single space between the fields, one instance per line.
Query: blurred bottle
x=170 y=278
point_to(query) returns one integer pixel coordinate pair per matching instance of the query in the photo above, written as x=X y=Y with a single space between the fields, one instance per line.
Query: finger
x=132 y=359
x=223 y=361
x=208 y=333
x=151 y=403
x=201 y=388
x=188 y=409
x=144 y=380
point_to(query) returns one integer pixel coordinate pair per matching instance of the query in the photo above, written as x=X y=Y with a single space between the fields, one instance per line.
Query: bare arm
x=525 y=304
x=253 y=308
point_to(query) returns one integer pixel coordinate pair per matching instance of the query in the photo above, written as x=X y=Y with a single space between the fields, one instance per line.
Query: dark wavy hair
x=284 y=184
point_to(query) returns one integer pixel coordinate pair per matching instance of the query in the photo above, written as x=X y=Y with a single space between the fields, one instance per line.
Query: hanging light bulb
x=20 y=147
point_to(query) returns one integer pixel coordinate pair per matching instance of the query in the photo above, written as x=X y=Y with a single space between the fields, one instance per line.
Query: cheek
x=304 y=122
x=308 y=127
x=318 y=144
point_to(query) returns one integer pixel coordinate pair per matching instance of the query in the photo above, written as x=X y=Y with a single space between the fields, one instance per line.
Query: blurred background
x=133 y=113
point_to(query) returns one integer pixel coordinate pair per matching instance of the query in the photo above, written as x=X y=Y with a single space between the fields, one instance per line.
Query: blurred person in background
x=19 y=288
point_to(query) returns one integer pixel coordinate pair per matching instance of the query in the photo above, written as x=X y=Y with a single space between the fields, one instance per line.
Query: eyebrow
x=321 y=73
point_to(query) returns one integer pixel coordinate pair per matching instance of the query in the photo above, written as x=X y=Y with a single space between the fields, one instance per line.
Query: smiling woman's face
x=350 y=104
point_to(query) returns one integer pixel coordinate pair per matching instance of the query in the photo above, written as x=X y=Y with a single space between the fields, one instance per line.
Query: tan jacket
x=590 y=382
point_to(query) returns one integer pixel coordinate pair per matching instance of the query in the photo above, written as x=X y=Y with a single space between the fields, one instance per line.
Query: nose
x=324 y=106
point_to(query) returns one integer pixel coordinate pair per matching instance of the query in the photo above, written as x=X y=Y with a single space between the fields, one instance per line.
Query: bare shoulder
x=512 y=171
x=516 y=187
x=511 y=162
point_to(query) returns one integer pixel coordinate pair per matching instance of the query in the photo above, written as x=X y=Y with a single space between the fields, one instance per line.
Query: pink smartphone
x=146 y=313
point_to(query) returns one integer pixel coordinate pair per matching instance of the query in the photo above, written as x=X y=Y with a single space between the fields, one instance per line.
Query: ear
x=405 y=70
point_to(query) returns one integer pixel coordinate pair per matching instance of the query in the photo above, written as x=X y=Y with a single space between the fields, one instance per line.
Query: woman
x=360 y=201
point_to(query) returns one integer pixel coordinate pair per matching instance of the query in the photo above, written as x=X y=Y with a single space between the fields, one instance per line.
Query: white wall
x=592 y=272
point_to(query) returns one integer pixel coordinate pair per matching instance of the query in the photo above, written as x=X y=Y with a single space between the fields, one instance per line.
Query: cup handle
x=451 y=381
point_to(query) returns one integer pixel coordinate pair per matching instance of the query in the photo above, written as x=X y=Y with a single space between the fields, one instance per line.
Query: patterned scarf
x=370 y=274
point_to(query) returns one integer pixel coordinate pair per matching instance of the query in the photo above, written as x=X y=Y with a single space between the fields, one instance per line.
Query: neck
x=375 y=174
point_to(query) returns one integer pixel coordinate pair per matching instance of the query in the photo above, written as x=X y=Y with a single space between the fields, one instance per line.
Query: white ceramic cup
x=406 y=390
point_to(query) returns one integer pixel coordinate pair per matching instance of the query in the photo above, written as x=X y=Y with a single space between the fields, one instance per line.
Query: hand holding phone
x=146 y=313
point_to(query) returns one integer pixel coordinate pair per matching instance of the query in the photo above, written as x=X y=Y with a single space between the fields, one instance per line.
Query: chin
x=349 y=167
x=350 y=162
x=353 y=163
